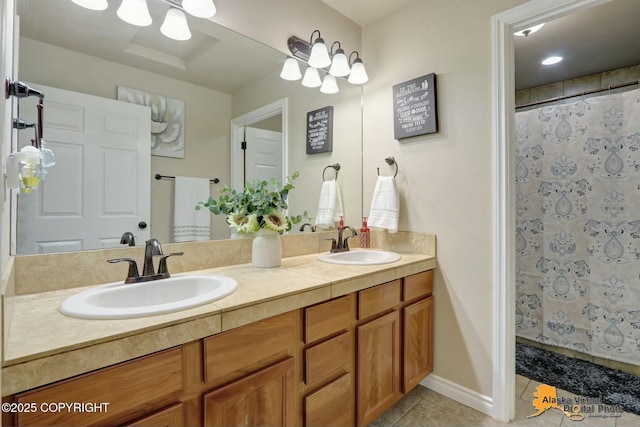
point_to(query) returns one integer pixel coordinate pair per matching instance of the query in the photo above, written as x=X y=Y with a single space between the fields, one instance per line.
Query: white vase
x=266 y=250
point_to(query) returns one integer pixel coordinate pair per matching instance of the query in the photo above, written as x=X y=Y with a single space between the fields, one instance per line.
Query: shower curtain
x=578 y=226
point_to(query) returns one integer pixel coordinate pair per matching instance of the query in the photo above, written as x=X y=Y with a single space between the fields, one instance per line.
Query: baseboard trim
x=455 y=391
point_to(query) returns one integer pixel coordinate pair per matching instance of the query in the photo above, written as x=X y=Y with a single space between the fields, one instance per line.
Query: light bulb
x=92 y=4
x=290 y=70
x=319 y=57
x=175 y=25
x=358 y=74
x=134 y=12
x=339 y=64
x=552 y=60
x=199 y=8
x=329 y=85
x=311 y=78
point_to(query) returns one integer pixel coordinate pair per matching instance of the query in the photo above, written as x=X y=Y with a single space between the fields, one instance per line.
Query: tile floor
x=426 y=408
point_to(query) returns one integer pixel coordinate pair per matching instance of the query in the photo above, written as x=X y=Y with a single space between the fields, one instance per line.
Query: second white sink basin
x=360 y=257
x=124 y=301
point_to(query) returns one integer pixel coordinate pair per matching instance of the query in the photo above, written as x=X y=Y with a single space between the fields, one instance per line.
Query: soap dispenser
x=341 y=225
x=365 y=234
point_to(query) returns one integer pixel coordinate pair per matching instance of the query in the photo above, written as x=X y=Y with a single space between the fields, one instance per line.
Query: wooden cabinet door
x=264 y=398
x=378 y=365
x=417 y=343
x=170 y=417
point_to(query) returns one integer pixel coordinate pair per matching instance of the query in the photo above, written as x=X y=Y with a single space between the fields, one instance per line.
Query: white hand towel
x=188 y=223
x=329 y=205
x=385 y=205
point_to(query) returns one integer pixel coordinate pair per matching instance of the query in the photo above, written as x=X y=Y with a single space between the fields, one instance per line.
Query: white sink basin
x=125 y=301
x=360 y=257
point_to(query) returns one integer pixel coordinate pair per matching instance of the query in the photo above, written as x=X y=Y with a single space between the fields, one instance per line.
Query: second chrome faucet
x=152 y=248
x=342 y=245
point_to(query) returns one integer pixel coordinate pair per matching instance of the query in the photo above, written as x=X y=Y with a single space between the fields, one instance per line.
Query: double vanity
x=308 y=343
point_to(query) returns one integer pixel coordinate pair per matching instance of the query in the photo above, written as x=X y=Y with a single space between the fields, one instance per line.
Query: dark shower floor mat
x=577 y=376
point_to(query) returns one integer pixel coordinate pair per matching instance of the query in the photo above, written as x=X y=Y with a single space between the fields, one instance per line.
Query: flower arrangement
x=260 y=206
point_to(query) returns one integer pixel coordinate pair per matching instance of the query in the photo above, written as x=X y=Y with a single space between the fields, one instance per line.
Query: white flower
x=275 y=221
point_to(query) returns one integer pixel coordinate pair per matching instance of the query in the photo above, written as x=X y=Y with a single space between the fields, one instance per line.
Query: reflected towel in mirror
x=385 y=205
x=329 y=205
x=188 y=223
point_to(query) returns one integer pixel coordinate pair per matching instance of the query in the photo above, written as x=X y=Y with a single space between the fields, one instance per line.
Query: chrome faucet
x=151 y=249
x=342 y=245
x=312 y=227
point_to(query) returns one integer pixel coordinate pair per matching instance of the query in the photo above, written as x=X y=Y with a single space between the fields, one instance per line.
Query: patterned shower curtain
x=578 y=226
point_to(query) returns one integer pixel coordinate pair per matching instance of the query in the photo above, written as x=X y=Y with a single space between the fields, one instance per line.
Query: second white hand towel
x=329 y=205
x=188 y=223
x=385 y=205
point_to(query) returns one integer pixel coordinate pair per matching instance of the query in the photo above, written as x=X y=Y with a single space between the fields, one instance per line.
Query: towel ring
x=335 y=166
x=390 y=161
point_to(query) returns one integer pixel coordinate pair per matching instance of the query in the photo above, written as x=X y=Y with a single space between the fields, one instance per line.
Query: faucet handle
x=133 y=268
x=334 y=245
x=162 y=267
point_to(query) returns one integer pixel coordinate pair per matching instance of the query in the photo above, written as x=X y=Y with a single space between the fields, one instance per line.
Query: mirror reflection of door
x=263 y=154
x=99 y=187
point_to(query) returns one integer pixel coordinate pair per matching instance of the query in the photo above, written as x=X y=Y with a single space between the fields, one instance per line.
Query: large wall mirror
x=218 y=75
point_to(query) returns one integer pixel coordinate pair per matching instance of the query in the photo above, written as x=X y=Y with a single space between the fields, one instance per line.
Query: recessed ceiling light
x=552 y=60
x=529 y=30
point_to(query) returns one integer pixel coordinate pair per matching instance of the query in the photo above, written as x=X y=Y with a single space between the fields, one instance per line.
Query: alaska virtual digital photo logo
x=575 y=408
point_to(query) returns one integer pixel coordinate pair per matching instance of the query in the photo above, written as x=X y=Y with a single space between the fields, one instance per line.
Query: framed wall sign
x=320 y=130
x=414 y=107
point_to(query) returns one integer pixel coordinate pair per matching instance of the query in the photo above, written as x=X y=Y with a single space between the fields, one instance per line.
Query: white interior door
x=100 y=185
x=263 y=155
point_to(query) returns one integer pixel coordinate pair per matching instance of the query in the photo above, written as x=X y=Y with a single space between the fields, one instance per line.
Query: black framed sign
x=414 y=107
x=320 y=130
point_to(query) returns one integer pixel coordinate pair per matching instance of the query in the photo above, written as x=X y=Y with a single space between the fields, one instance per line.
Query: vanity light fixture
x=552 y=60
x=329 y=84
x=358 y=74
x=135 y=12
x=92 y=4
x=339 y=63
x=311 y=78
x=199 y=8
x=319 y=57
x=339 y=66
x=175 y=25
x=291 y=70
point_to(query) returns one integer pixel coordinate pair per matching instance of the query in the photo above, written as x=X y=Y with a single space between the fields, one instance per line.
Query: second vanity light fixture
x=334 y=63
x=174 y=26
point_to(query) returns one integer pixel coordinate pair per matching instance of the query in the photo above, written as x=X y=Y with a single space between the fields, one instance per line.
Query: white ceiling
x=364 y=12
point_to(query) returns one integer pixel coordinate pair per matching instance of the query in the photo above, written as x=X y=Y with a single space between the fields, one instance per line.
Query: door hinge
x=243 y=145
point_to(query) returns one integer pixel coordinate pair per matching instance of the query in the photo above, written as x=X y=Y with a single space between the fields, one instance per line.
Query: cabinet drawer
x=226 y=356
x=327 y=318
x=170 y=417
x=417 y=285
x=378 y=299
x=332 y=405
x=131 y=389
x=328 y=359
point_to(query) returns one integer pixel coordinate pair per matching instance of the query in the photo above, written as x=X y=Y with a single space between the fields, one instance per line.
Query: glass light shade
x=290 y=70
x=528 y=31
x=175 y=25
x=329 y=85
x=319 y=57
x=134 y=12
x=339 y=64
x=358 y=74
x=311 y=78
x=92 y=4
x=199 y=8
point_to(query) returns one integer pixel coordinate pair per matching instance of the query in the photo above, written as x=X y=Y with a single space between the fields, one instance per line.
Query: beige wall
x=207 y=115
x=445 y=178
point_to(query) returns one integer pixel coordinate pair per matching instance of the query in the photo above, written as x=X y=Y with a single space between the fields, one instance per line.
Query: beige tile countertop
x=45 y=346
